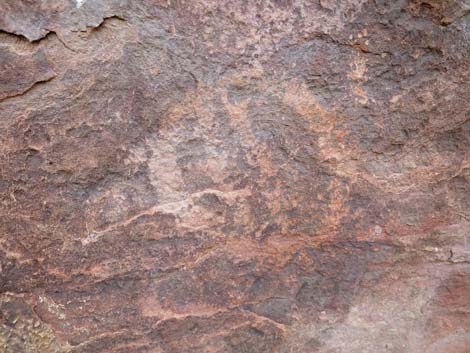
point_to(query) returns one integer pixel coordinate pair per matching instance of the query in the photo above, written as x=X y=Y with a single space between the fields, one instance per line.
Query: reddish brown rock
x=235 y=176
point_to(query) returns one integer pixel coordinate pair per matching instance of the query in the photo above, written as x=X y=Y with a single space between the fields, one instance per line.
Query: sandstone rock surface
x=251 y=176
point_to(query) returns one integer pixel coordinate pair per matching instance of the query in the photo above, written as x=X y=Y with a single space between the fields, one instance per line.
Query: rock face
x=251 y=176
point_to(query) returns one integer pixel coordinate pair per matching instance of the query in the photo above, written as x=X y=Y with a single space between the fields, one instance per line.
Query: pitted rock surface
x=284 y=176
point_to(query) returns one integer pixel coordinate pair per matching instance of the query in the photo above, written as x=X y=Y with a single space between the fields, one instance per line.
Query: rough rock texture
x=249 y=176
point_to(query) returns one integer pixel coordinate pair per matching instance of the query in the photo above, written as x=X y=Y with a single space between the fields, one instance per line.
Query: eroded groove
x=34 y=85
